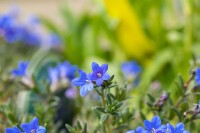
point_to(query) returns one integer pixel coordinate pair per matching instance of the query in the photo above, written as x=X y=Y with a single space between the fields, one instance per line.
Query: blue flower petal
x=140 y=130
x=197 y=77
x=148 y=125
x=179 y=128
x=104 y=68
x=106 y=76
x=53 y=75
x=25 y=127
x=83 y=90
x=90 y=86
x=82 y=74
x=95 y=66
x=12 y=130
x=156 y=122
x=99 y=81
x=170 y=128
x=16 y=72
x=34 y=123
x=41 y=130
x=78 y=82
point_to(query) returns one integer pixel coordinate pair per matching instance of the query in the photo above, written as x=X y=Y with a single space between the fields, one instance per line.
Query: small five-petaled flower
x=32 y=127
x=85 y=81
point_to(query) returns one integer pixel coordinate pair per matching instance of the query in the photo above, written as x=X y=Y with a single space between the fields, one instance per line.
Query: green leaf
x=85 y=128
x=109 y=99
x=100 y=109
x=70 y=128
x=103 y=118
x=178 y=113
x=151 y=98
x=118 y=105
x=79 y=125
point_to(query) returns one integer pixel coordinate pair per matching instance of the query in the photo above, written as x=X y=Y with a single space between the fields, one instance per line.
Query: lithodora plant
x=114 y=114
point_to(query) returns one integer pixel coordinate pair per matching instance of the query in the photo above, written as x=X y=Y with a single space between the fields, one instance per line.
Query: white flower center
x=88 y=81
x=33 y=131
x=99 y=75
x=153 y=131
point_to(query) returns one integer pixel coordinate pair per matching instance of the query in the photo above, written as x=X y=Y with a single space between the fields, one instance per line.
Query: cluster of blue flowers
x=87 y=81
x=32 y=127
x=29 y=33
x=58 y=77
x=155 y=126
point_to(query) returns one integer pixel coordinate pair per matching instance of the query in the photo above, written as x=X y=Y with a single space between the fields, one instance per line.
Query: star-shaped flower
x=32 y=127
x=179 y=128
x=154 y=126
x=99 y=73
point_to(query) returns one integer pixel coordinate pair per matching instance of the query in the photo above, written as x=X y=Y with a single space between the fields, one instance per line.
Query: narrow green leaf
x=151 y=98
x=103 y=118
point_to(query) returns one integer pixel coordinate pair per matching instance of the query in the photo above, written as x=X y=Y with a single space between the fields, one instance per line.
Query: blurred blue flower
x=5 y=21
x=12 y=130
x=53 y=75
x=13 y=33
x=84 y=82
x=178 y=129
x=154 y=125
x=197 y=77
x=21 y=70
x=99 y=73
x=67 y=70
x=130 y=69
x=71 y=93
x=13 y=30
x=32 y=127
x=61 y=75
x=54 y=40
x=31 y=38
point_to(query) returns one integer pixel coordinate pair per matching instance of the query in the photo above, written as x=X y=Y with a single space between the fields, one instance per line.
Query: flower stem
x=104 y=105
x=103 y=98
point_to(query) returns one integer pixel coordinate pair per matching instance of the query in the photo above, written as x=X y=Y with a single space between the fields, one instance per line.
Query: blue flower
x=21 y=70
x=32 y=127
x=154 y=125
x=12 y=130
x=54 y=40
x=197 y=77
x=53 y=75
x=99 y=73
x=5 y=21
x=138 y=130
x=67 y=70
x=84 y=82
x=178 y=129
x=130 y=69
x=31 y=38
